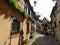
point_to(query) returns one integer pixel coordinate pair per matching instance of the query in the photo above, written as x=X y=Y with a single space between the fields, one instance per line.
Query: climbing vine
x=15 y=6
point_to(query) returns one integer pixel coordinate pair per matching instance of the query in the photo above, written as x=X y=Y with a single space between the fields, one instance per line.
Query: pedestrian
x=52 y=34
x=44 y=32
x=47 y=34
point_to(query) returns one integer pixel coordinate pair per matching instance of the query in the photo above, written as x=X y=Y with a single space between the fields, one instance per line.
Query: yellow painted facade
x=55 y=17
x=57 y=13
x=5 y=26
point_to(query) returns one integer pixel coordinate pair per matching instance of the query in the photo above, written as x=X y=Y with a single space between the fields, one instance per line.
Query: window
x=59 y=26
x=55 y=24
x=30 y=13
x=15 y=26
x=27 y=27
x=59 y=22
x=26 y=8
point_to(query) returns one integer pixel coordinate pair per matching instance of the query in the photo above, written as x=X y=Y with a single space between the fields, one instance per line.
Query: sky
x=43 y=7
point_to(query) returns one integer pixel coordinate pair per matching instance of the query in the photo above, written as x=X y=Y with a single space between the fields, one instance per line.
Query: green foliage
x=9 y=44
x=31 y=35
x=15 y=6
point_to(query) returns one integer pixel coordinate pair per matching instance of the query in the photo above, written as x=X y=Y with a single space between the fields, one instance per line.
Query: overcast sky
x=44 y=7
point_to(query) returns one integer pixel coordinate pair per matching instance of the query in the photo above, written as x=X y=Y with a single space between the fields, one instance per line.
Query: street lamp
x=34 y=6
x=35 y=3
x=54 y=1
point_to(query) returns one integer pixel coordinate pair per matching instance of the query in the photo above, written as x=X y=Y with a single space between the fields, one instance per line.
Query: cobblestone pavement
x=45 y=41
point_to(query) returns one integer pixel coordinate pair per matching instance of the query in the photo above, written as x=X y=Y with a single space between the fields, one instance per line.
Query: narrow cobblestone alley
x=45 y=41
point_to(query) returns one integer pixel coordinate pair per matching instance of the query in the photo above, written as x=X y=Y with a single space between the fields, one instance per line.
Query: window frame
x=15 y=25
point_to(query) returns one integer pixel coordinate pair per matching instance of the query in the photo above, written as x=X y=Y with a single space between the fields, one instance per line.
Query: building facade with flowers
x=16 y=21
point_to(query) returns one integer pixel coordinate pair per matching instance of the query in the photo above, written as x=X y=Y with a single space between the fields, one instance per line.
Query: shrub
x=32 y=35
